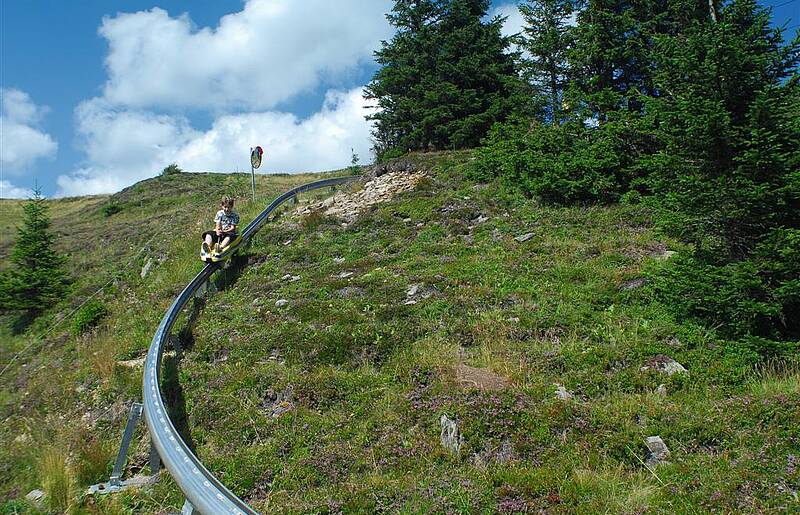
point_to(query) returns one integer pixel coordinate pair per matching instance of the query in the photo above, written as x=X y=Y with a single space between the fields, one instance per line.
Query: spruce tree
x=37 y=278
x=445 y=78
x=547 y=38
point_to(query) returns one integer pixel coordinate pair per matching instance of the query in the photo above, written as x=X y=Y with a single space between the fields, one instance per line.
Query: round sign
x=255 y=156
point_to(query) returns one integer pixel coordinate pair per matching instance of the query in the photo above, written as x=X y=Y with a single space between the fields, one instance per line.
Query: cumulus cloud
x=21 y=141
x=514 y=20
x=124 y=146
x=255 y=58
x=8 y=190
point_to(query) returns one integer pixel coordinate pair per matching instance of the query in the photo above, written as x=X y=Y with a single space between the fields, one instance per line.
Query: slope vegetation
x=458 y=348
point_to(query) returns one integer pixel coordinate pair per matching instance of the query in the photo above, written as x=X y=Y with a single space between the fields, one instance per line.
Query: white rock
x=662 y=390
x=147 y=267
x=280 y=303
x=450 y=436
x=562 y=392
x=35 y=495
x=524 y=237
x=338 y=260
x=658 y=451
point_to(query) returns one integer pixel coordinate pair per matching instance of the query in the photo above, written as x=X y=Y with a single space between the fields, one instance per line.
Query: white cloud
x=8 y=190
x=255 y=58
x=514 y=20
x=124 y=146
x=21 y=142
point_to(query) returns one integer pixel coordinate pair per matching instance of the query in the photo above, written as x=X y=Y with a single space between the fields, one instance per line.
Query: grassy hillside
x=63 y=396
x=456 y=299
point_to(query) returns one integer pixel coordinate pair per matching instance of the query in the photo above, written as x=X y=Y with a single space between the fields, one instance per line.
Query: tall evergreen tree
x=446 y=76
x=612 y=59
x=547 y=38
x=725 y=120
x=37 y=278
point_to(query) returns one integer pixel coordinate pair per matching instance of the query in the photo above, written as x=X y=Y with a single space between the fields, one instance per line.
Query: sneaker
x=206 y=248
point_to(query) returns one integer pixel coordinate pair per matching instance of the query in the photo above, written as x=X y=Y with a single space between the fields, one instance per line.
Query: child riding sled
x=215 y=242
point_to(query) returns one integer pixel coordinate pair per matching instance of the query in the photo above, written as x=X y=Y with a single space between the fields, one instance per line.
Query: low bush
x=110 y=209
x=88 y=316
x=172 y=169
x=563 y=164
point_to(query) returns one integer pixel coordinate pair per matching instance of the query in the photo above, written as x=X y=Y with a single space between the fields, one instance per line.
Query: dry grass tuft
x=56 y=478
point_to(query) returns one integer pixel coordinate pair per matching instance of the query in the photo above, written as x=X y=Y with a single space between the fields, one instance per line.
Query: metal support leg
x=188 y=509
x=133 y=418
x=155 y=459
x=116 y=484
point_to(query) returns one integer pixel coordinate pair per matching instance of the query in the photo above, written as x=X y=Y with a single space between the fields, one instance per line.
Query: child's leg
x=225 y=242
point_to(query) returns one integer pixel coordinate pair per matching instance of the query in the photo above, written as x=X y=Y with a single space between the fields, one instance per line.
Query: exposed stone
x=665 y=365
x=450 y=436
x=420 y=291
x=665 y=255
x=338 y=260
x=633 y=283
x=281 y=302
x=35 y=496
x=347 y=205
x=522 y=238
x=351 y=291
x=481 y=218
x=281 y=407
x=506 y=453
x=290 y=278
x=658 y=451
x=344 y=275
x=139 y=362
x=662 y=390
x=23 y=438
x=562 y=393
x=147 y=267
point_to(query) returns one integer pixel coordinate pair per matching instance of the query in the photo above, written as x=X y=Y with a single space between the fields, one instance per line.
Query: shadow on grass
x=22 y=322
x=229 y=274
x=174 y=399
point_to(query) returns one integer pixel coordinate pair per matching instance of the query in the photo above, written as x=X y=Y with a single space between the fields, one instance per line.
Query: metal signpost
x=255 y=162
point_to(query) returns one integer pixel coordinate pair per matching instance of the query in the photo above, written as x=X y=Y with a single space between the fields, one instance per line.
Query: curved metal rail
x=206 y=493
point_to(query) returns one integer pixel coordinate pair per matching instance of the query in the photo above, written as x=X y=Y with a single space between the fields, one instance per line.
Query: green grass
x=367 y=377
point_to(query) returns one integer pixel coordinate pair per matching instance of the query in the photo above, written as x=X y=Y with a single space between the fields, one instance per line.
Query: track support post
x=115 y=483
x=133 y=417
x=188 y=509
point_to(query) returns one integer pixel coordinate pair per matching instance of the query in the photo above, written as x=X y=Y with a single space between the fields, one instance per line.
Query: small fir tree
x=37 y=279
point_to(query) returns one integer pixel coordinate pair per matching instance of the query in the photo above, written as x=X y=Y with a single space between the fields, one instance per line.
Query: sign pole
x=253 y=175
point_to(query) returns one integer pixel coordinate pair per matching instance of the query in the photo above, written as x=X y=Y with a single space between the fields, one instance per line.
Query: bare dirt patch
x=347 y=205
x=481 y=378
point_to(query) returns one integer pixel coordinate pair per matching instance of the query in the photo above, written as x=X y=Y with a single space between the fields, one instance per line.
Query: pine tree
x=446 y=76
x=37 y=278
x=547 y=38
x=612 y=61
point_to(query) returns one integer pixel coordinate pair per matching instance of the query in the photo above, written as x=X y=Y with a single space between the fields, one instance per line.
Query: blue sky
x=98 y=95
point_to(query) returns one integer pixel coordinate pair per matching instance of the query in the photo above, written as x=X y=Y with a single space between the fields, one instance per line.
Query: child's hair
x=227 y=201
